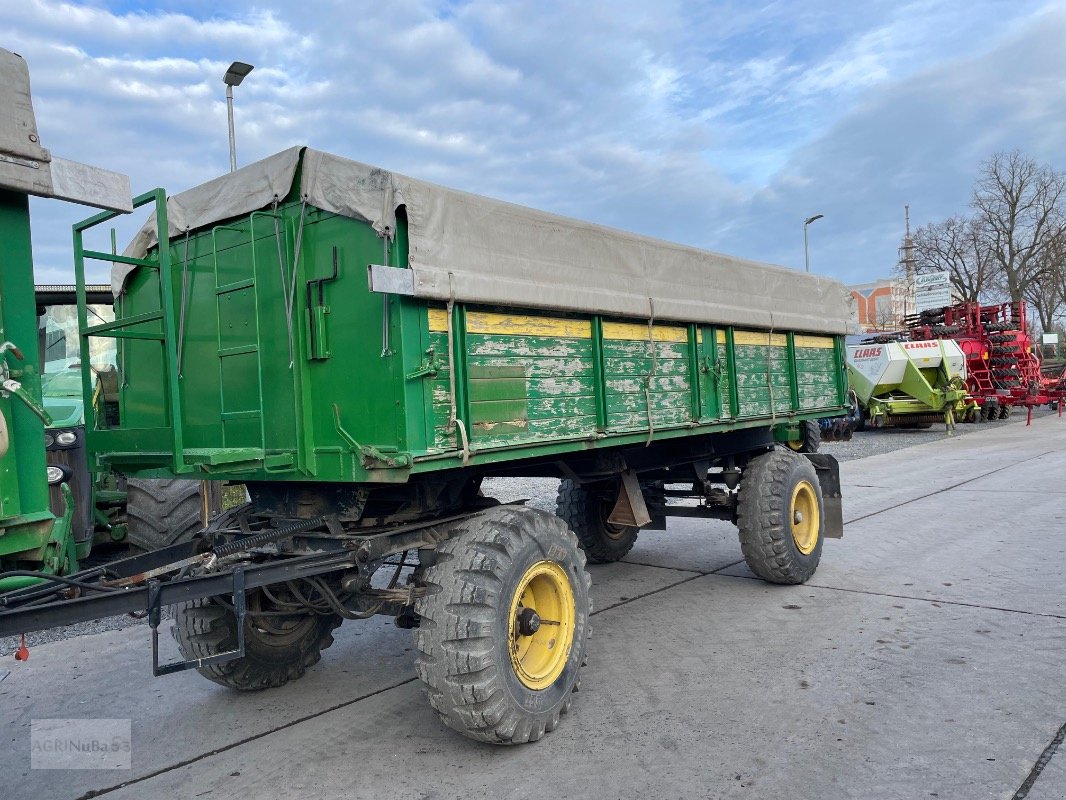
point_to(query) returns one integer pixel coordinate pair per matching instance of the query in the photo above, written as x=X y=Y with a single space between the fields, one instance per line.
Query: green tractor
x=108 y=508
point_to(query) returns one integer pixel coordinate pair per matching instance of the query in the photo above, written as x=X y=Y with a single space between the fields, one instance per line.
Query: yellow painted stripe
x=721 y=337
x=636 y=331
x=438 y=320
x=527 y=325
x=487 y=322
x=819 y=342
x=759 y=338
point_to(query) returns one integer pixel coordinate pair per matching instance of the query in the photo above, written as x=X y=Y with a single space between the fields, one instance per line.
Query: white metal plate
x=91 y=186
x=391 y=280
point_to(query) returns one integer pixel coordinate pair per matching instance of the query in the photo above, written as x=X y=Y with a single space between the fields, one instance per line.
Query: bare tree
x=1017 y=202
x=1058 y=285
x=1047 y=293
x=884 y=319
x=958 y=246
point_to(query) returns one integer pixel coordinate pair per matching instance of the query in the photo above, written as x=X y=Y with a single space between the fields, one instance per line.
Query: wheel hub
x=528 y=622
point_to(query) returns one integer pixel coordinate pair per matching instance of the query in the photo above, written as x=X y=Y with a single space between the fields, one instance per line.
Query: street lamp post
x=236 y=73
x=806 y=253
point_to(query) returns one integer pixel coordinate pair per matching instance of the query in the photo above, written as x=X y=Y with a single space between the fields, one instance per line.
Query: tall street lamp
x=806 y=253
x=236 y=73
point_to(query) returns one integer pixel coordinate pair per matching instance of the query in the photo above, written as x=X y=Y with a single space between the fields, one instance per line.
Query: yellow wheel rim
x=806 y=517
x=540 y=629
x=796 y=445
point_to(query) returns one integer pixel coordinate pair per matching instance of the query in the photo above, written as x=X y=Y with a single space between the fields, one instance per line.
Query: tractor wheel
x=860 y=420
x=779 y=514
x=810 y=437
x=162 y=512
x=504 y=624
x=277 y=648
x=586 y=513
x=1004 y=412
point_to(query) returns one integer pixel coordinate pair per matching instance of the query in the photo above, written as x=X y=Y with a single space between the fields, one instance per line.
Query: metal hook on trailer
x=288 y=283
x=454 y=421
x=769 y=376
x=184 y=301
x=651 y=375
x=316 y=310
x=386 y=349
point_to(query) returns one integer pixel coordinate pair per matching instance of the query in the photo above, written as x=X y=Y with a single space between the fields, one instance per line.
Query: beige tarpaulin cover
x=478 y=250
x=242 y=192
x=27 y=167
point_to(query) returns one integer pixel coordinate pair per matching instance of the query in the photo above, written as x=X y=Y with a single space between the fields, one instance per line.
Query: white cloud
x=917 y=142
x=713 y=124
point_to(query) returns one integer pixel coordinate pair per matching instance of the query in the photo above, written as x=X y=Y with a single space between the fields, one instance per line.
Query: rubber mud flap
x=832 y=500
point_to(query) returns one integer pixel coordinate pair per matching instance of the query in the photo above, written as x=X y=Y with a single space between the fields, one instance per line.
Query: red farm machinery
x=1002 y=369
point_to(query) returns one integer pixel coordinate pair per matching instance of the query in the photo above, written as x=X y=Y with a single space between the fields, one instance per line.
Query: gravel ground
x=873 y=443
x=540 y=493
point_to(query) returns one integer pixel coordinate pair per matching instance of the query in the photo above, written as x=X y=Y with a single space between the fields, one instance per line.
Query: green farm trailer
x=360 y=350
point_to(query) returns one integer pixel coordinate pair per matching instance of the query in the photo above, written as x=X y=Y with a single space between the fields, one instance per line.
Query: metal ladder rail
x=221 y=289
x=276 y=219
x=299 y=434
x=119 y=328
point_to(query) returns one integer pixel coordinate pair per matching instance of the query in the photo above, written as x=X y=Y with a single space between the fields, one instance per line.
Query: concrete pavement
x=924 y=659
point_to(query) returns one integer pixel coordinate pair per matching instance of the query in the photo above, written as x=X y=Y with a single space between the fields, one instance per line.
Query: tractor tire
x=495 y=671
x=586 y=513
x=810 y=438
x=203 y=628
x=162 y=512
x=780 y=517
x=1004 y=412
x=860 y=420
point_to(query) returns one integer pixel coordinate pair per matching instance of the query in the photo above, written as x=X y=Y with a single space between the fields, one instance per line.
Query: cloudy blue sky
x=717 y=124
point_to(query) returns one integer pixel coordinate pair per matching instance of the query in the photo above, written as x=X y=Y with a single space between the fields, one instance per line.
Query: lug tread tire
x=162 y=512
x=468 y=677
x=203 y=628
x=580 y=509
x=810 y=437
x=763 y=517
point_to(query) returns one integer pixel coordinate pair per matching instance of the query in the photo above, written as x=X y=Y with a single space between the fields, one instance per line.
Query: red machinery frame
x=1002 y=370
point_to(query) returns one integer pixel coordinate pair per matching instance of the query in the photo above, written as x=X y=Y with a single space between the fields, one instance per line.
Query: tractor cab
x=99 y=497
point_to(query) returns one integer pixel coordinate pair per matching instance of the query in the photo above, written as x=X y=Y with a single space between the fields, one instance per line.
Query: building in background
x=885 y=304
x=880 y=305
